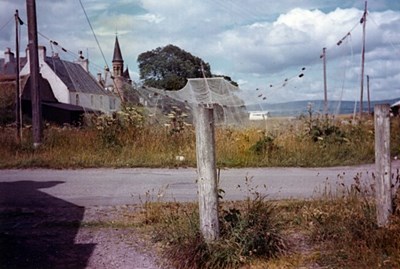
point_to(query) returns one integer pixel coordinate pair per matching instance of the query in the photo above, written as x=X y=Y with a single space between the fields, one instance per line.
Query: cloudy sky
x=260 y=44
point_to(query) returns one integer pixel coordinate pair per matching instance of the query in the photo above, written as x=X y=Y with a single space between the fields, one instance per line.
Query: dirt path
x=52 y=233
x=115 y=247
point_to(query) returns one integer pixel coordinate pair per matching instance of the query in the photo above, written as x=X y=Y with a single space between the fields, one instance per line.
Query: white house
x=258 y=115
x=72 y=83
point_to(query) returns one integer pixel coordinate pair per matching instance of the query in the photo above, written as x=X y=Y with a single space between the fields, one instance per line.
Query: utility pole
x=364 y=22
x=369 y=100
x=35 y=76
x=323 y=56
x=18 y=114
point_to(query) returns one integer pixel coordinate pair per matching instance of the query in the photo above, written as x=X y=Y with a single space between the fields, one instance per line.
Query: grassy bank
x=336 y=230
x=129 y=140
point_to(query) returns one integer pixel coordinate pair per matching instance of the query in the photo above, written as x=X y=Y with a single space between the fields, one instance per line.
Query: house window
x=91 y=100
x=77 y=99
x=112 y=103
x=101 y=101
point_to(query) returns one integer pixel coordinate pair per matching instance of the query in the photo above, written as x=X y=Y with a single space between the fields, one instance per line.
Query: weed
x=345 y=222
x=250 y=230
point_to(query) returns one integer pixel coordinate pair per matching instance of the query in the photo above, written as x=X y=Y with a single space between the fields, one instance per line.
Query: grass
x=336 y=230
x=130 y=140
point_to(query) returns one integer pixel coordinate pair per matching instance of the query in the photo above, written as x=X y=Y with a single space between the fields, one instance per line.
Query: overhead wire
x=8 y=22
x=283 y=83
x=60 y=49
x=101 y=51
x=371 y=18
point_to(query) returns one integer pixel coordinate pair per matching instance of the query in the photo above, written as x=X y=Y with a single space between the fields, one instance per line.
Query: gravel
x=73 y=237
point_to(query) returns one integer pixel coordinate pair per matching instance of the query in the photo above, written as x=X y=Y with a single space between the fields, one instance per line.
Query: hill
x=297 y=108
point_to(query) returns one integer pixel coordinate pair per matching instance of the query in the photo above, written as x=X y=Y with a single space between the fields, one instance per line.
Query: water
x=298 y=108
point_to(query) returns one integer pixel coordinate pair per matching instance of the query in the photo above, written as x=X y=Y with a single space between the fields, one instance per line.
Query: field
x=130 y=140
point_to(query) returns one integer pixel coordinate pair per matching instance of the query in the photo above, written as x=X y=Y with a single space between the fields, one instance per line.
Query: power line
x=4 y=26
x=94 y=34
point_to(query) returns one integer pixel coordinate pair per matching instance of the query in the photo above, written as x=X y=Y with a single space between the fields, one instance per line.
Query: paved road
x=90 y=187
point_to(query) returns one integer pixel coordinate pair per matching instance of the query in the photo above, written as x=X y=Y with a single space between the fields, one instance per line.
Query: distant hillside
x=297 y=108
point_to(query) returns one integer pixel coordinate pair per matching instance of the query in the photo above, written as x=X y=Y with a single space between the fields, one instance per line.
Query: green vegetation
x=249 y=230
x=129 y=139
x=169 y=68
x=337 y=230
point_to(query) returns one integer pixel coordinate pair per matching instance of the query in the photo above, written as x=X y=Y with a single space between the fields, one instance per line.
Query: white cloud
x=254 y=42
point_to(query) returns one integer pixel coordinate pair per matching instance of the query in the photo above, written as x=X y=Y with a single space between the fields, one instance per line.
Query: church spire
x=118 y=62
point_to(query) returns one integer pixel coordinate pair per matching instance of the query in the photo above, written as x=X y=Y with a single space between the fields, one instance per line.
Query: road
x=104 y=187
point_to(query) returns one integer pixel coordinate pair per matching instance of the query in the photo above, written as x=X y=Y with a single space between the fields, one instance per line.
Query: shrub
x=248 y=231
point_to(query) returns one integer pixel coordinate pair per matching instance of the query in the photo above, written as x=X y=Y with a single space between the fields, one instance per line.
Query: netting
x=225 y=98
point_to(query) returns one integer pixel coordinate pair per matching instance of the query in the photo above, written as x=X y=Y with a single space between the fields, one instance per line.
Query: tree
x=169 y=67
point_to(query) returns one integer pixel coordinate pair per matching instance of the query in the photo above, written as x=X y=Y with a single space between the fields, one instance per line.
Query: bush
x=7 y=103
x=248 y=231
x=112 y=127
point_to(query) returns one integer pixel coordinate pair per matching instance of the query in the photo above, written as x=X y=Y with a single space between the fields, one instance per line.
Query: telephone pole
x=363 y=21
x=37 y=127
x=18 y=118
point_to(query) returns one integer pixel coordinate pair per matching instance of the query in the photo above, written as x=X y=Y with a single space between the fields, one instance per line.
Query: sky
x=271 y=48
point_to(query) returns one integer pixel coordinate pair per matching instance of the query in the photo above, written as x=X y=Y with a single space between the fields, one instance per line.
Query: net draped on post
x=216 y=92
x=207 y=97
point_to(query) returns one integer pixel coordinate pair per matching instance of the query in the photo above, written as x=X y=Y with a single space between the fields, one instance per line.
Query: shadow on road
x=37 y=230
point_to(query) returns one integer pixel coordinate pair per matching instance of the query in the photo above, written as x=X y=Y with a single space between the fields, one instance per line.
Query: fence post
x=384 y=204
x=207 y=173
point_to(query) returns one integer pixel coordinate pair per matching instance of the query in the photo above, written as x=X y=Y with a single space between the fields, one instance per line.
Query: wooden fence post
x=207 y=173
x=384 y=204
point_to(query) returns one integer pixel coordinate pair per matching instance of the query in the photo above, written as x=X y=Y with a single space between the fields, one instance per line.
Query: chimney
x=42 y=53
x=9 y=56
x=99 y=78
x=83 y=62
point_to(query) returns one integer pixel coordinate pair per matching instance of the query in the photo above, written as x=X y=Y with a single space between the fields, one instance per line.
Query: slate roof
x=74 y=76
x=126 y=74
x=9 y=68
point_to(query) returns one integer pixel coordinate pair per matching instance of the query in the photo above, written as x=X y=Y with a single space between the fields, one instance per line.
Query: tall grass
x=343 y=224
x=249 y=231
x=128 y=139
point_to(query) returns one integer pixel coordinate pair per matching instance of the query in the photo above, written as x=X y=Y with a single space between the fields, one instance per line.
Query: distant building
x=68 y=90
x=395 y=108
x=119 y=82
x=8 y=64
x=258 y=115
x=72 y=83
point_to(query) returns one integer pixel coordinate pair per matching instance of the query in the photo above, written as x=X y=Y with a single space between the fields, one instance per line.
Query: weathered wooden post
x=207 y=173
x=384 y=204
x=37 y=124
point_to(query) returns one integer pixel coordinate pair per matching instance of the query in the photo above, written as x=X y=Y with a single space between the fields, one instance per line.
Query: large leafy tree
x=169 y=67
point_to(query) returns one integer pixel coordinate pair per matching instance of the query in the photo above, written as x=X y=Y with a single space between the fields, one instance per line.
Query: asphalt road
x=104 y=187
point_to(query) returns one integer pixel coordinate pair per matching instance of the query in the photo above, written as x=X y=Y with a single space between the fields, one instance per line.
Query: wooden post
x=18 y=111
x=383 y=197
x=363 y=21
x=368 y=97
x=37 y=127
x=207 y=173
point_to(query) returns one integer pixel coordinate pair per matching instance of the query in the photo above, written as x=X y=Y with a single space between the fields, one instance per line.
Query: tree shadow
x=38 y=230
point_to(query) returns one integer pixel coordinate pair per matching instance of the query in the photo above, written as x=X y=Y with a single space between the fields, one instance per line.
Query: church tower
x=117 y=62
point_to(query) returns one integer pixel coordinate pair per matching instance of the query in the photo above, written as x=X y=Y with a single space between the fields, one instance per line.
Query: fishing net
x=225 y=98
